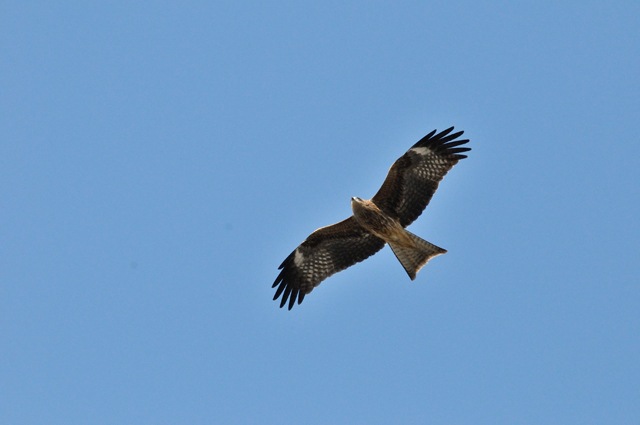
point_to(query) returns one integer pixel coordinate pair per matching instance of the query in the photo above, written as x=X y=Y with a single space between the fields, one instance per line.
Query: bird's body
x=412 y=251
x=369 y=216
x=408 y=188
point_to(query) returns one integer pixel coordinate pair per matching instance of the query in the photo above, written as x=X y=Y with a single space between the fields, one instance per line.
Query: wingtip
x=292 y=298
x=288 y=293
x=440 y=139
x=431 y=133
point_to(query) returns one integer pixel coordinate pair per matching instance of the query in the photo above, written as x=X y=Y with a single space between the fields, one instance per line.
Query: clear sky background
x=159 y=160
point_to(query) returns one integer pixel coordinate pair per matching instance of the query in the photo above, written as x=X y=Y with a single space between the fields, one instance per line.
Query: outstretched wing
x=325 y=252
x=414 y=177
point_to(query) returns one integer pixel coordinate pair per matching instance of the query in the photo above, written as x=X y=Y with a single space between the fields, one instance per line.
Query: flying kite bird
x=411 y=182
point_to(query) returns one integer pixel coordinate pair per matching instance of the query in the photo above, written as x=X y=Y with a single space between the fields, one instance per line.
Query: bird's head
x=357 y=203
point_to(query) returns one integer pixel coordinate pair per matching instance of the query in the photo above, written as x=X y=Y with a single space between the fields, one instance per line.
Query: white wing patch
x=421 y=151
x=298 y=258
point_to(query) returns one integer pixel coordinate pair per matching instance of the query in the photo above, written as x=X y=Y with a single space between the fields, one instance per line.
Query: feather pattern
x=414 y=177
x=326 y=251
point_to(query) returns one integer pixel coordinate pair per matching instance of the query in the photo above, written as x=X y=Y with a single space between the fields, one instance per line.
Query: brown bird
x=411 y=182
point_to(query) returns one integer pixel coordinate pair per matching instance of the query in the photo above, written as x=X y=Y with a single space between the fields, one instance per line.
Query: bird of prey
x=411 y=182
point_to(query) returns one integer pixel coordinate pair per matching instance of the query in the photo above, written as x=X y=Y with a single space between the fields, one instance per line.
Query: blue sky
x=159 y=160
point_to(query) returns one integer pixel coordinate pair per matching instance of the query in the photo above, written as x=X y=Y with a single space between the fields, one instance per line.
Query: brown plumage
x=410 y=184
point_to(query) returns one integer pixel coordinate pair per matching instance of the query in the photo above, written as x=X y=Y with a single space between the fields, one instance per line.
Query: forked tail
x=415 y=257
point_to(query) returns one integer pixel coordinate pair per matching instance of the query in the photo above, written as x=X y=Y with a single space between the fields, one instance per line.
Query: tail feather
x=415 y=257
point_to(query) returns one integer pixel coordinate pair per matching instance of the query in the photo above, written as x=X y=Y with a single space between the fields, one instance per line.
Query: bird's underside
x=411 y=182
x=412 y=251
